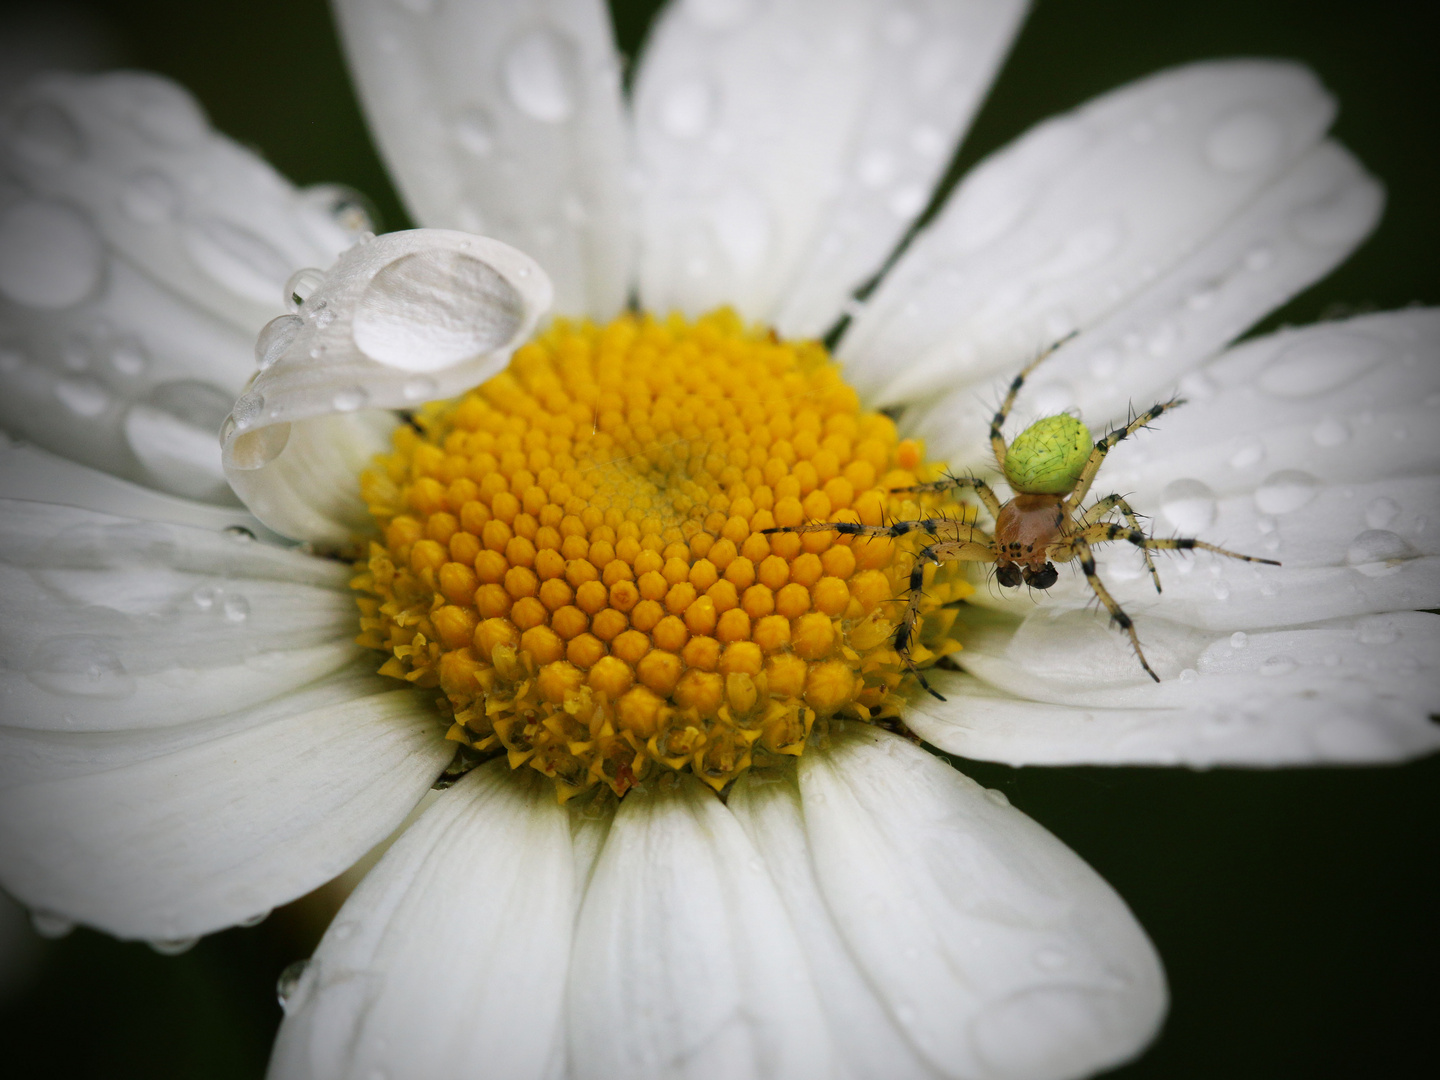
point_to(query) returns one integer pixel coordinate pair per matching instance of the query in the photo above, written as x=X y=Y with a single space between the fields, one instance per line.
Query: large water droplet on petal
x=1377 y=552
x=431 y=309
x=1285 y=491
x=289 y=982
x=1244 y=141
x=80 y=665
x=175 y=435
x=538 y=73
x=246 y=410
x=50 y=255
x=1189 y=504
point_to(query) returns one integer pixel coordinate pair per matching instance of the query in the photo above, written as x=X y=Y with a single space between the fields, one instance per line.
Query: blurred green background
x=1296 y=911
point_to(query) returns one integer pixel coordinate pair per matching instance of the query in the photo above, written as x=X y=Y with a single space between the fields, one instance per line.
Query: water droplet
x=688 y=110
x=537 y=75
x=1189 y=504
x=128 y=358
x=256 y=919
x=173 y=946
x=83 y=397
x=350 y=399
x=49 y=925
x=996 y=796
x=247 y=410
x=80 y=665
x=1378 y=630
x=907 y=200
x=276 y=336
x=1220 y=588
x=1244 y=141
x=150 y=198
x=237 y=609
x=1330 y=433
x=1257 y=259
x=420 y=388
x=1277 y=665
x=1381 y=512
x=1189 y=675
x=1320 y=364
x=474 y=131
x=45 y=133
x=1239 y=639
x=239 y=534
x=1340 y=220
x=1376 y=552
x=876 y=168
x=344 y=207
x=324 y=315
x=236 y=258
x=205 y=596
x=289 y=982
x=50 y=255
x=1202 y=298
x=468 y=310
x=1285 y=491
x=718 y=14
x=1163 y=338
x=301 y=285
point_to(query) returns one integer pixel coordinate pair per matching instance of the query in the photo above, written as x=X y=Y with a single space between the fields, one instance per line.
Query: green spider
x=1050 y=467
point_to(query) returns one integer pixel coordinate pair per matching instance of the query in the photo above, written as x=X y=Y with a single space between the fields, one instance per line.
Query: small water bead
x=80 y=665
x=1277 y=665
x=537 y=74
x=1249 y=454
x=50 y=925
x=1189 y=675
x=1220 y=589
x=256 y=919
x=996 y=796
x=173 y=946
x=907 y=200
x=324 y=315
x=301 y=285
x=1189 y=504
x=275 y=338
x=344 y=207
x=289 y=982
x=1257 y=259
x=50 y=255
x=1376 y=552
x=1381 y=512
x=1239 y=639
x=350 y=399
x=205 y=596
x=247 y=409
x=129 y=359
x=420 y=388
x=237 y=609
x=1286 y=491
x=84 y=396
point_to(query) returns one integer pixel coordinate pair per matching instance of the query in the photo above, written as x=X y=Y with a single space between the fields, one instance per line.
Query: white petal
x=36 y=475
x=685 y=963
x=401 y=319
x=112 y=623
x=998 y=950
x=785 y=147
x=1294 y=233
x=1063 y=226
x=450 y=958
x=1065 y=689
x=868 y=1042
x=1317 y=447
x=170 y=846
x=504 y=117
x=195 y=211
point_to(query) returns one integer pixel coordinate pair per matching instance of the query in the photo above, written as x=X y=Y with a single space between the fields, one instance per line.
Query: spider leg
x=997 y=441
x=1115 y=502
x=944 y=551
x=1105 y=531
x=981 y=489
x=1087 y=566
x=1108 y=443
x=950 y=528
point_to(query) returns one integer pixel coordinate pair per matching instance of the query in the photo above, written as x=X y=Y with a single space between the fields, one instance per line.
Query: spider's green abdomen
x=1048 y=456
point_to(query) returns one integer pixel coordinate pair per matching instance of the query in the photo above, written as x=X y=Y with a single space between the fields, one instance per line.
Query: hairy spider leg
x=997 y=441
x=1108 y=443
x=1081 y=548
x=944 y=551
x=1116 y=502
x=952 y=528
x=1105 y=531
x=981 y=489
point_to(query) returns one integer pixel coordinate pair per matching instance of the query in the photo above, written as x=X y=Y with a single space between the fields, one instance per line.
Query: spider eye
x=1042 y=578
x=1008 y=575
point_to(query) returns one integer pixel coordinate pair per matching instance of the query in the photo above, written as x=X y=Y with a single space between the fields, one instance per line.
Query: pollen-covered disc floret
x=573 y=553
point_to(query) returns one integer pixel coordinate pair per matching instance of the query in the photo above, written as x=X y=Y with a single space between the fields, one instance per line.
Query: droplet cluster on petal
x=574 y=553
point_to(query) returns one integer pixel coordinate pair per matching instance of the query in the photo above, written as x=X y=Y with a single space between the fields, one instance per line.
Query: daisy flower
x=568 y=581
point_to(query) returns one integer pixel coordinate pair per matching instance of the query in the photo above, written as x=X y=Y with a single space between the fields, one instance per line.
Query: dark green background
x=1296 y=911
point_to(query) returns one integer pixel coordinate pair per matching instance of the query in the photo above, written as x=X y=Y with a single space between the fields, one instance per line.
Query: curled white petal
x=1061 y=227
x=784 y=147
x=685 y=963
x=166 y=836
x=401 y=319
x=453 y=949
x=994 y=947
x=504 y=117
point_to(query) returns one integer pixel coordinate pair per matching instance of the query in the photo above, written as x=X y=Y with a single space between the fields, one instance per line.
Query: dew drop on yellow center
x=573 y=554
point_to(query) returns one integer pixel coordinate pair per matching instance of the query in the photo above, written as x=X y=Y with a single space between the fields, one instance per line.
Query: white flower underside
x=189 y=738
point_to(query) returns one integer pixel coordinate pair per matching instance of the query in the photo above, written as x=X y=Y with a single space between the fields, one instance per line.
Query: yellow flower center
x=574 y=554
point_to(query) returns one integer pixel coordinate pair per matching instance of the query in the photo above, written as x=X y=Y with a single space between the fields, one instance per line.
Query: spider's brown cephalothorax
x=1050 y=467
